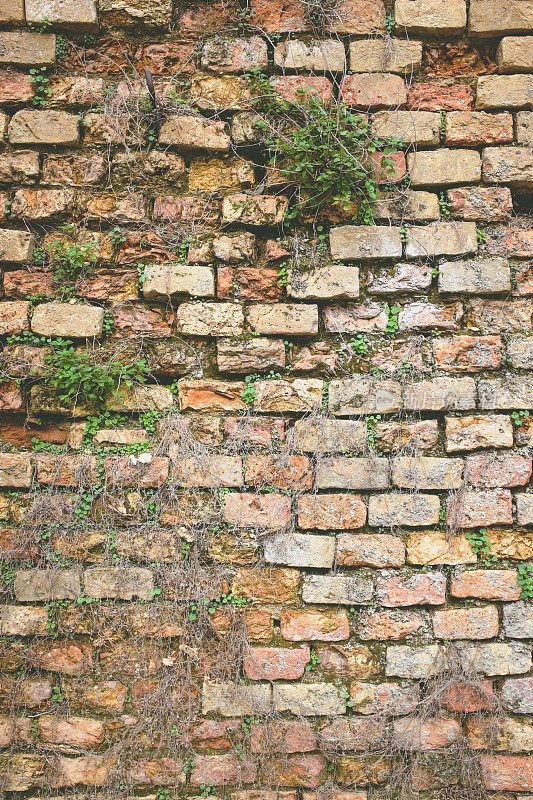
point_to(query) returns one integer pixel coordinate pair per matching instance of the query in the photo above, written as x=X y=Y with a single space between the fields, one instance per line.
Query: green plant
x=525 y=580
x=61 y=49
x=371 y=423
x=283 y=275
x=390 y=22
x=7 y=572
x=206 y=789
x=70 y=261
x=75 y=376
x=359 y=344
x=41 y=86
x=481 y=235
x=314 y=661
x=479 y=542
x=163 y=793
x=249 y=393
x=445 y=206
x=392 y=323
x=329 y=153
x=188 y=764
x=442 y=129
x=56 y=696
x=519 y=417
x=404 y=236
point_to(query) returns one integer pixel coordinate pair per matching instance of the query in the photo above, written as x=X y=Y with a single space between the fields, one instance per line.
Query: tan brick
x=162 y=281
x=431 y=17
x=352 y=473
x=331 y=511
x=412 y=511
x=373 y=90
x=503 y=91
x=470 y=432
x=25 y=49
x=443 y=167
x=363 y=242
x=441 y=394
x=284 y=318
x=441 y=239
x=497 y=17
x=149 y=13
x=194 y=133
x=122 y=583
x=370 y=550
x=12 y=11
x=414 y=127
x=323 y=283
x=223 y=54
x=360 y=395
x=64 y=319
x=309 y=699
x=466 y=623
x=512 y=165
x=435 y=547
x=210 y=319
x=427 y=473
x=300 y=394
x=14 y=316
x=329 y=435
x=320 y=55
x=44 y=127
x=476 y=276
x=314 y=625
x=524 y=127
x=76 y=14
x=514 y=54
x=376 y=55
x=300 y=550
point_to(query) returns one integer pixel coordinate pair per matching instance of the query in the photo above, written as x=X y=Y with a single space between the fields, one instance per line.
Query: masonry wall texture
x=277 y=542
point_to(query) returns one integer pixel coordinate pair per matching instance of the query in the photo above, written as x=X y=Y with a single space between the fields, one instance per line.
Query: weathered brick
x=309 y=699
x=234 y=55
x=23 y=621
x=14 y=317
x=122 y=583
x=301 y=394
x=314 y=625
x=362 y=17
x=331 y=511
x=415 y=663
x=36 y=585
x=497 y=316
x=370 y=550
x=467 y=433
x=497 y=658
x=269 y=584
x=42 y=204
x=326 y=55
x=518 y=620
x=466 y=623
x=283 y=736
x=214 y=470
x=262 y=511
x=210 y=395
x=12 y=11
x=127 y=13
x=440 y=394
x=410 y=205
x=490 y=471
x=468 y=353
x=27 y=49
x=430 y=16
x=189 y=132
x=503 y=91
x=230 y=700
x=388 y=624
x=512 y=165
x=323 y=283
x=275 y=663
x=362 y=242
x=477 y=276
x=398 y=589
x=392 y=436
x=357 y=395
x=300 y=550
x=493 y=17
x=435 y=547
x=478 y=127
x=512 y=391
x=524 y=127
x=402 y=509
x=329 y=435
x=355 y=318
x=141 y=397
x=413 y=127
x=441 y=239
x=486 y=584
x=64 y=319
x=481 y=203
x=76 y=14
x=162 y=281
x=387 y=698
x=524 y=509
x=210 y=319
x=517 y=695
x=44 y=127
x=438 y=97
x=475 y=509
x=19 y=166
x=337 y=589
x=284 y=319
x=258 y=210
x=16 y=470
x=352 y=473
x=293 y=88
x=376 y=55
x=443 y=167
x=250 y=356
x=427 y=473
x=16 y=246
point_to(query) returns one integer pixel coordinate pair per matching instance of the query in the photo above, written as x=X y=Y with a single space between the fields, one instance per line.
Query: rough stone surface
x=63 y=319
x=430 y=16
x=44 y=127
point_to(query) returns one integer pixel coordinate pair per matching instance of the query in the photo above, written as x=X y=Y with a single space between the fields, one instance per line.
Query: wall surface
x=266 y=511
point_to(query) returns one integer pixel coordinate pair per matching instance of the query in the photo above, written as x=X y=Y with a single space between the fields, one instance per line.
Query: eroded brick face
x=266 y=514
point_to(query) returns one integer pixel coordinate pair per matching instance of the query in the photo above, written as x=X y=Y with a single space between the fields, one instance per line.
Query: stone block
x=517 y=695
x=354 y=242
x=16 y=470
x=498 y=17
x=223 y=54
x=443 y=167
x=441 y=394
x=275 y=663
x=337 y=589
x=195 y=133
x=377 y=55
x=477 y=509
x=162 y=281
x=255 y=355
x=415 y=663
x=358 y=395
x=23 y=621
x=512 y=165
x=356 y=318
x=308 y=699
x=435 y=548
x=497 y=658
x=300 y=550
x=331 y=511
x=329 y=435
x=25 y=49
x=518 y=620
x=466 y=623
x=44 y=127
x=406 y=589
x=332 y=282
x=286 y=319
x=300 y=394
x=481 y=203
x=75 y=321
x=413 y=127
x=524 y=127
x=75 y=14
x=210 y=319
x=520 y=351
x=123 y=583
x=318 y=55
x=231 y=700
x=38 y=585
x=129 y=13
x=370 y=550
x=441 y=239
x=144 y=397
x=270 y=511
x=476 y=276
x=423 y=472
x=388 y=510
x=510 y=392
x=13 y=316
x=430 y=17
x=372 y=90
x=352 y=473
x=503 y=91
x=468 y=353
x=422 y=315
x=486 y=584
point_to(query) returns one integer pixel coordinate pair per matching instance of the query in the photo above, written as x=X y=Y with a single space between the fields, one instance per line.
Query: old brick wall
x=284 y=547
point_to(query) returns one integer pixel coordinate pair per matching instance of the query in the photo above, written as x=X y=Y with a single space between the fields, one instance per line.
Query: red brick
x=140 y=320
x=370 y=550
x=259 y=624
x=187 y=209
x=287 y=472
x=478 y=128
x=123 y=472
x=296 y=88
x=262 y=511
x=269 y=584
x=110 y=695
x=279 y=16
x=248 y=283
x=163 y=771
x=14 y=317
x=463 y=59
x=481 y=203
x=314 y=625
x=167 y=58
x=388 y=624
x=282 y=736
x=67 y=658
x=113 y=286
x=468 y=353
x=42 y=204
x=412 y=733
x=275 y=663
x=213 y=734
x=22 y=283
x=307 y=771
x=507 y=773
x=466 y=623
x=65 y=470
x=11 y=399
x=210 y=395
x=84 y=770
x=466 y=697
x=486 y=584
x=436 y=97
x=206 y=16
x=74 y=731
x=507 y=469
x=475 y=509
x=254 y=431
x=373 y=90
x=351 y=734
x=384 y=698
x=223 y=769
x=331 y=511
x=397 y=589
x=15 y=87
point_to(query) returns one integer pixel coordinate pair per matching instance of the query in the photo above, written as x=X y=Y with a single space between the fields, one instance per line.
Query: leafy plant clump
x=75 y=375
x=70 y=261
x=331 y=155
